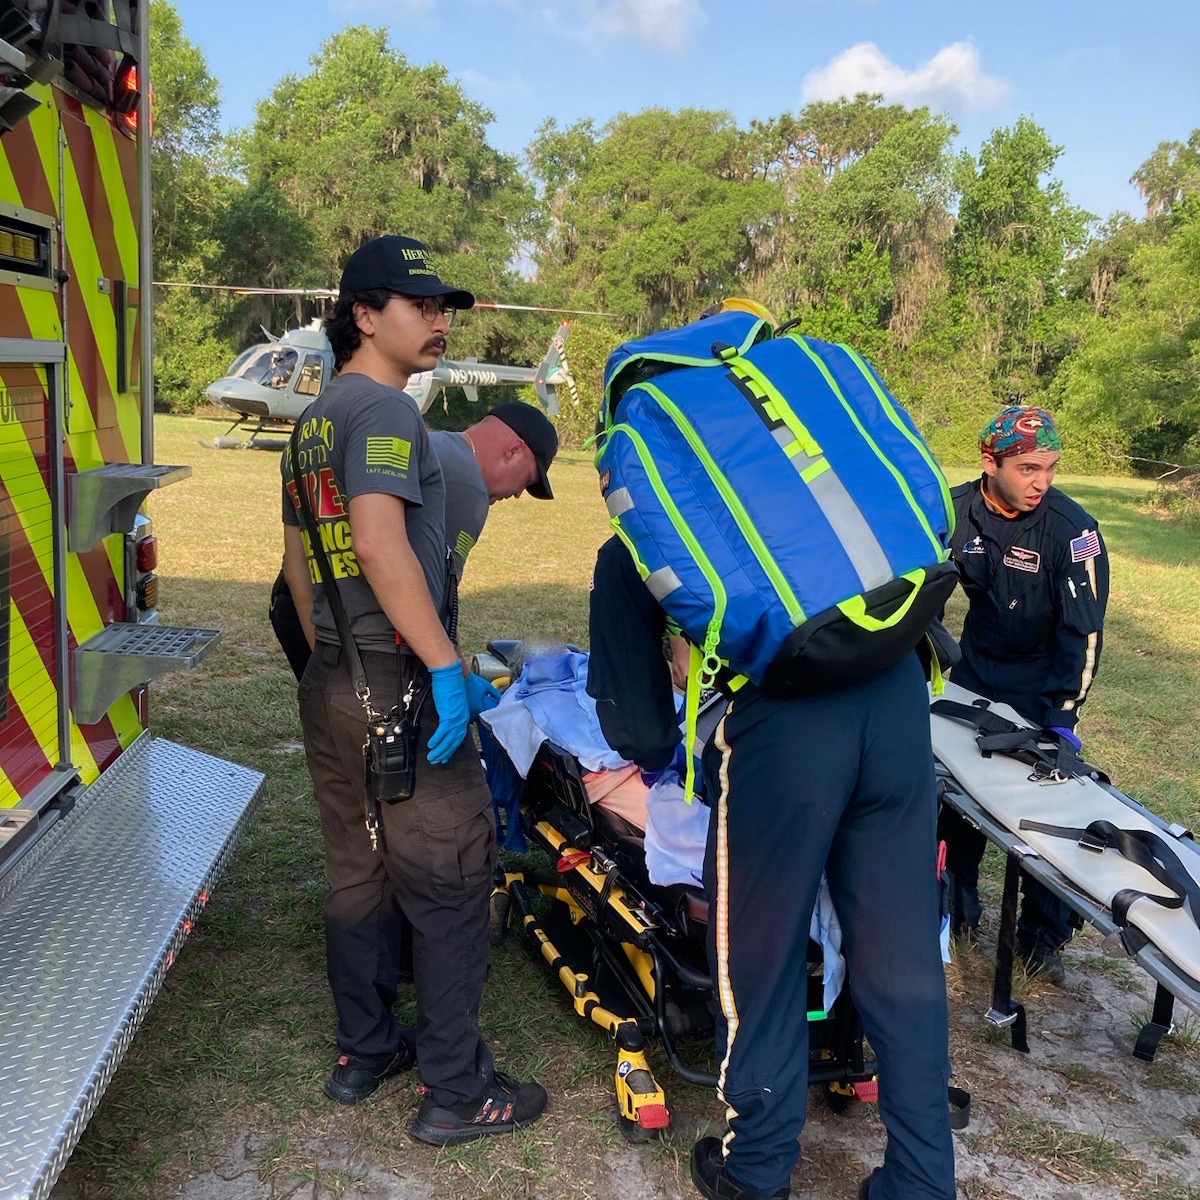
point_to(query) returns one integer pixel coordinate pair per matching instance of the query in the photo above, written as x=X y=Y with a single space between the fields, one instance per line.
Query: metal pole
x=145 y=233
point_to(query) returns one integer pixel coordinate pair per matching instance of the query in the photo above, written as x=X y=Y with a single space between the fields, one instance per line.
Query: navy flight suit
x=1037 y=585
x=840 y=781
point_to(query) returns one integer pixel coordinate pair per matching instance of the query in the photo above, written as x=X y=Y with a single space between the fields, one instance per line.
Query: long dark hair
x=342 y=329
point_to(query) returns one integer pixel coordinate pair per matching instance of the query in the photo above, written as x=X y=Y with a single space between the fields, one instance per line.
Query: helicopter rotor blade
x=332 y=294
x=577 y=312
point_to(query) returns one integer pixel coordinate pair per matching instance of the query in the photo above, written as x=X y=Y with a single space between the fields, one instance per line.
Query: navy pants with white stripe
x=841 y=781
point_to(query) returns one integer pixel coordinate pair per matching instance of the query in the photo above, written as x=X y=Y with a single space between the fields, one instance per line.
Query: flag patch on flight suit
x=1021 y=559
x=1087 y=546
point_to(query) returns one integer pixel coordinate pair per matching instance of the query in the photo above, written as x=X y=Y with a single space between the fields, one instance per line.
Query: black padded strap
x=1157 y=1027
x=1050 y=756
x=1003 y=1011
x=1147 y=849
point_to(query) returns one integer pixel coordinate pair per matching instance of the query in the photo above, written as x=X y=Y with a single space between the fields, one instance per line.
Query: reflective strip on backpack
x=942 y=552
x=845 y=518
x=662 y=583
x=885 y=402
x=618 y=501
x=681 y=527
x=733 y=504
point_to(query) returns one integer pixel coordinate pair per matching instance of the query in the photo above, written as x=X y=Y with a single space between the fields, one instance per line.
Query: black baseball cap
x=399 y=264
x=534 y=429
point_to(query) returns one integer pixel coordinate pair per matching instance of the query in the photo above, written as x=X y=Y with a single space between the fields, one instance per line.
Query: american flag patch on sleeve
x=1087 y=546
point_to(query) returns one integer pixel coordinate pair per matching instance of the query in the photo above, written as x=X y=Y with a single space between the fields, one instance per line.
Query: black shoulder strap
x=328 y=581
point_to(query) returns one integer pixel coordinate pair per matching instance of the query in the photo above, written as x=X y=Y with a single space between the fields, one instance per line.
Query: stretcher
x=1119 y=867
x=631 y=954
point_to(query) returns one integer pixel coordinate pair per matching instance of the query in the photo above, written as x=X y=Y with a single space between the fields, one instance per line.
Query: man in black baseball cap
x=513 y=464
x=398 y=264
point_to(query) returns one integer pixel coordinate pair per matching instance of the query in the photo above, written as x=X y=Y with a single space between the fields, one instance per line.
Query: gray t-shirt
x=360 y=437
x=466 y=495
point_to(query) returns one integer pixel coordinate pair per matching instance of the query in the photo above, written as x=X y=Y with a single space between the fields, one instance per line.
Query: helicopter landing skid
x=260 y=436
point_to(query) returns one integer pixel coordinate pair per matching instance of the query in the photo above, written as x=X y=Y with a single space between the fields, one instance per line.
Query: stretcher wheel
x=838 y=1096
x=498 y=913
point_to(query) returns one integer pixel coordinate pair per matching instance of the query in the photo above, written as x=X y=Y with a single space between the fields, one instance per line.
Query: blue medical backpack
x=778 y=502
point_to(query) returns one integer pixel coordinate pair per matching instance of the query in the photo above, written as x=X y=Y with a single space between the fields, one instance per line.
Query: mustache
x=435 y=343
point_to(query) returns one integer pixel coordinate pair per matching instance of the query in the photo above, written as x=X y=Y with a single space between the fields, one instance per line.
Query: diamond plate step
x=124 y=656
x=90 y=920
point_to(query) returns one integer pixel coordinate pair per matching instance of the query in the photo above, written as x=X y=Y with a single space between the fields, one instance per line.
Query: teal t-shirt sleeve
x=385 y=448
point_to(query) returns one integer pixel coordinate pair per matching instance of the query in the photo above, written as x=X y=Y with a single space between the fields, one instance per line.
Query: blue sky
x=1107 y=80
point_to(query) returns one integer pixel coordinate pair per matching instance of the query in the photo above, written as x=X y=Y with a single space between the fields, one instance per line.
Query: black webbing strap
x=1159 y=1025
x=1051 y=757
x=1147 y=849
x=1003 y=1011
x=328 y=580
x=452 y=601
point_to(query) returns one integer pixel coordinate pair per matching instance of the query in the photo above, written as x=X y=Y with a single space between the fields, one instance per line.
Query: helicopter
x=269 y=385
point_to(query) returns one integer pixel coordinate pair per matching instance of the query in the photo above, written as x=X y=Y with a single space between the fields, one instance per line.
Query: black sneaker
x=354 y=1079
x=708 y=1174
x=1045 y=964
x=505 y=1106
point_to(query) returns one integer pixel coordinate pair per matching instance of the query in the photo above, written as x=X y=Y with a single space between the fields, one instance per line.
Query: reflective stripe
x=844 y=516
x=1089 y=670
x=618 y=502
x=662 y=582
x=721 y=929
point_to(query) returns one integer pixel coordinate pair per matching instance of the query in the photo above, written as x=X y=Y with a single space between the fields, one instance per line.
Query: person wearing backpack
x=836 y=779
x=1035 y=572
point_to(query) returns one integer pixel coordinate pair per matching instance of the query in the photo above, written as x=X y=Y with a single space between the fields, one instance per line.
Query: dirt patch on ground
x=1077 y=1117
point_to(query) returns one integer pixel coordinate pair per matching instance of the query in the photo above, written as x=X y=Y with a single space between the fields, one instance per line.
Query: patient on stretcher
x=549 y=702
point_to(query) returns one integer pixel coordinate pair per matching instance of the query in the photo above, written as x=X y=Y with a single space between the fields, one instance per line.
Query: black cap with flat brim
x=398 y=264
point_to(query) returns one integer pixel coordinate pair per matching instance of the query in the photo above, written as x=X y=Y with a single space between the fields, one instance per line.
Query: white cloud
x=659 y=24
x=952 y=79
x=477 y=81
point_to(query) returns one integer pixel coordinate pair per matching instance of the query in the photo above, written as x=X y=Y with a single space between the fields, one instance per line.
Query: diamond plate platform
x=90 y=920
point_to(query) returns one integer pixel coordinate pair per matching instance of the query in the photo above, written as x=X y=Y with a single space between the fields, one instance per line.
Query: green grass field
x=242 y=1036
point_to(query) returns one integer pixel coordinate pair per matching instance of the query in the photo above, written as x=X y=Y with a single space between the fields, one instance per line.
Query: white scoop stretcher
x=1056 y=831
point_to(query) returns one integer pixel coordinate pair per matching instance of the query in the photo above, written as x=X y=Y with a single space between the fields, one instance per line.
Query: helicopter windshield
x=271 y=366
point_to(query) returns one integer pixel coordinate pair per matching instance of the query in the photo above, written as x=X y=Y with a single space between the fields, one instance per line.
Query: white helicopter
x=270 y=385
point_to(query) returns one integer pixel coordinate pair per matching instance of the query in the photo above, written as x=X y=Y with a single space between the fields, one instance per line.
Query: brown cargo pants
x=433 y=867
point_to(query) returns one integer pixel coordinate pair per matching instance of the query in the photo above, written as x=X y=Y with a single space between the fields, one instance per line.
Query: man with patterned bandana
x=1034 y=568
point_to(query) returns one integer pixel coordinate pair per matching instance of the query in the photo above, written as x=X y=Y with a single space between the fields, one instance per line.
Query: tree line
x=968 y=279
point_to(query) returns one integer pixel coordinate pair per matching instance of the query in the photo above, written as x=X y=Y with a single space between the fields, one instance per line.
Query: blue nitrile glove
x=1069 y=737
x=450 y=700
x=678 y=764
x=481 y=695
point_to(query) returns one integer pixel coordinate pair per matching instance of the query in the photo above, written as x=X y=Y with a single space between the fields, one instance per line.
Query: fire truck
x=110 y=838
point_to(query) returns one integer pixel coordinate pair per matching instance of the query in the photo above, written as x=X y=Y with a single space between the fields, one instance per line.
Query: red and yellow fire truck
x=110 y=838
